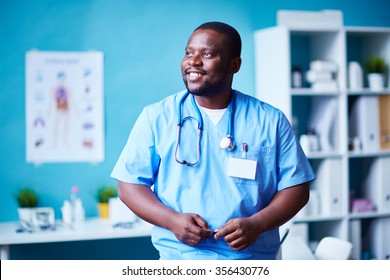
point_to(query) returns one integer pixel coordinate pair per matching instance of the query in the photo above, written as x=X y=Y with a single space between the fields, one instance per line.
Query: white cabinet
x=343 y=175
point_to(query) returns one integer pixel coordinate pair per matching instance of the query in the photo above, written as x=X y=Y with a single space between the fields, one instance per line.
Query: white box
x=120 y=213
x=380 y=241
x=323 y=120
x=363 y=122
x=377 y=184
x=328 y=186
x=355 y=236
x=310 y=20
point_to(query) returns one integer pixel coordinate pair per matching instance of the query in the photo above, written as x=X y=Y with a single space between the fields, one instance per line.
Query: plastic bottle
x=355 y=76
x=296 y=77
x=78 y=215
x=305 y=144
x=314 y=145
x=66 y=211
x=74 y=195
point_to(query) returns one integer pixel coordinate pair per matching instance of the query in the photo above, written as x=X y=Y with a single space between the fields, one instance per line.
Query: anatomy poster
x=64 y=107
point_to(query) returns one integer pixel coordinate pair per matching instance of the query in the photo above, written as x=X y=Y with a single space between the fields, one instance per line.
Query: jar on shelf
x=296 y=77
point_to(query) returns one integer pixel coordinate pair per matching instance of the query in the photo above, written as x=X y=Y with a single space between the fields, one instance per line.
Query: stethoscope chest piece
x=227 y=143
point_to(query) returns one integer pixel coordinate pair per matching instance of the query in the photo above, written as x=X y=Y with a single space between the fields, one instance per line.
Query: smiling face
x=207 y=67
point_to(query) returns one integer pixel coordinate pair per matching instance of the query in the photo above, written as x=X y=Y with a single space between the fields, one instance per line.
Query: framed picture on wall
x=64 y=107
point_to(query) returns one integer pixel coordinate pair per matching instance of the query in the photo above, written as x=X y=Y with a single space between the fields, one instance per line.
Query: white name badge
x=242 y=168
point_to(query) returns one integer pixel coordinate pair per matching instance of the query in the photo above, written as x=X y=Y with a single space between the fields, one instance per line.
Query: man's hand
x=190 y=229
x=238 y=233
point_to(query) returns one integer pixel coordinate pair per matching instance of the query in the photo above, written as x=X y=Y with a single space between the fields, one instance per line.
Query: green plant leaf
x=105 y=193
x=27 y=197
x=375 y=64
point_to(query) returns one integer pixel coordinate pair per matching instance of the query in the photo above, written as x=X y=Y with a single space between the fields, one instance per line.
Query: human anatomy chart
x=64 y=107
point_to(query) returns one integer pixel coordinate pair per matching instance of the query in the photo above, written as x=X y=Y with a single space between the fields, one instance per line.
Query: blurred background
x=142 y=43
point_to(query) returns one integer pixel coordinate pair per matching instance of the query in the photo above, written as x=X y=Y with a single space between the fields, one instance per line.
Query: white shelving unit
x=341 y=174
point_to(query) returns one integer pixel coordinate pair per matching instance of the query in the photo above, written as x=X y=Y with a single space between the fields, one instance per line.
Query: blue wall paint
x=143 y=43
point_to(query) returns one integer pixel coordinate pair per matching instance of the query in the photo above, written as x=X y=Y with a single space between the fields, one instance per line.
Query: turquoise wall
x=143 y=43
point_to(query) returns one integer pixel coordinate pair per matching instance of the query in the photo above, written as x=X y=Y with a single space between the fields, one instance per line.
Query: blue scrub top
x=205 y=189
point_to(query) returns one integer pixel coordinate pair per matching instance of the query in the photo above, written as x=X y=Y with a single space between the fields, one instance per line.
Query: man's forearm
x=283 y=207
x=142 y=201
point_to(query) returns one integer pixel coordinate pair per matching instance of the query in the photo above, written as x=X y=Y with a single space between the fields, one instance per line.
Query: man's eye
x=188 y=53
x=207 y=55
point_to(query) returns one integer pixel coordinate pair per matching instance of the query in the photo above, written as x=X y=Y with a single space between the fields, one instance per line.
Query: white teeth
x=192 y=74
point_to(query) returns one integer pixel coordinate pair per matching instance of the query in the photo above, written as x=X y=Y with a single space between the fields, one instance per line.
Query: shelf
x=323 y=155
x=351 y=216
x=309 y=92
x=313 y=30
x=91 y=229
x=319 y=218
x=369 y=215
x=368 y=92
x=363 y=30
x=364 y=154
x=341 y=174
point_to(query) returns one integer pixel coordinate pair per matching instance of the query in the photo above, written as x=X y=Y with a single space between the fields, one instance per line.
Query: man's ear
x=235 y=64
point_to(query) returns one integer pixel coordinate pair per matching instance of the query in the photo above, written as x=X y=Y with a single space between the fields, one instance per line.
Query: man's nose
x=195 y=60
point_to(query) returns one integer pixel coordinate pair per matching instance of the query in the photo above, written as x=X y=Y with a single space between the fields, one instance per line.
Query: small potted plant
x=103 y=196
x=27 y=200
x=376 y=69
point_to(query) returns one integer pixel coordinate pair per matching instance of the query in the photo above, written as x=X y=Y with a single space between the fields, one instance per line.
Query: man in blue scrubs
x=209 y=200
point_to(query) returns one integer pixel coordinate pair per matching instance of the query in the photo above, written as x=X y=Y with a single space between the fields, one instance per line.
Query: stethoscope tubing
x=180 y=122
x=198 y=148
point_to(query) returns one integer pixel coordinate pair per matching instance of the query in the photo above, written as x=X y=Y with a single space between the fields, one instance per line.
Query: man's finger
x=200 y=221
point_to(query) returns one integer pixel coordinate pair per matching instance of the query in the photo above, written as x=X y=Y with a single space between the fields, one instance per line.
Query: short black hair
x=231 y=34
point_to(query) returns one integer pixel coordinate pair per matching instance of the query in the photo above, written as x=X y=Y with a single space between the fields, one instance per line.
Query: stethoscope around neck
x=226 y=143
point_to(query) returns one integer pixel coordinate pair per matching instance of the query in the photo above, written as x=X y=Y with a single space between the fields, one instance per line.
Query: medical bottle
x=66 y=211
x=314 y=144
x=355 y=76
x=79 y=215
x=296 y=77
x=73 y=200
